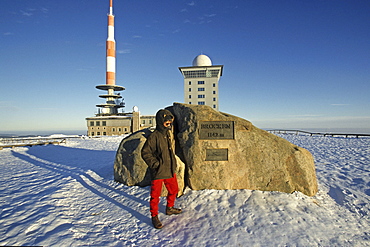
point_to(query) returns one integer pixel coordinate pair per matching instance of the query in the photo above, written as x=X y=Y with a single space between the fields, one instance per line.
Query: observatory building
x=109 y=120
x=201 y=82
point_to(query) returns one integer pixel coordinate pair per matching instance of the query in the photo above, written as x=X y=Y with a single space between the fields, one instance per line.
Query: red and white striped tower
x=111 y=106
x=111 y=49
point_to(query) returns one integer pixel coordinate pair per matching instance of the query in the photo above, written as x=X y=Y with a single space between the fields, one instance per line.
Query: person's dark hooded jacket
x=157 y=151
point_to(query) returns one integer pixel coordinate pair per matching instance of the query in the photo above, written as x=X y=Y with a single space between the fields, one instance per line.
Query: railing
x=279 y=131
x=22 y=142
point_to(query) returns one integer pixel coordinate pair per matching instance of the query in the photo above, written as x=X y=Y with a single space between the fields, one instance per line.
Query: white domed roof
x=202 y=60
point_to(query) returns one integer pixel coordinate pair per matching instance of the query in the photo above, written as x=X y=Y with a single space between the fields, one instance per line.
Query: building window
x=98 y=133
x=97 y=123
x=104 y=133
x=200 y=82
x=150 y=121
x=214 y=84
x=201 y=89
x=92 y=134
x=214 y=99
x=201 y=103
x=125 y=129
x=201 y=96
x=214 y=92
x=113 y=129
x=142 y=121
x=189 y=89
x=92 y=123
x=119 y=129
x=189 y=82
x=214 y=106
x=104 y=123
x=189 y=103
x=195 y=74
x=189 y=96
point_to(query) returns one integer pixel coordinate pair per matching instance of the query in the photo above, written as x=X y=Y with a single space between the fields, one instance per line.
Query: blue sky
x=287 y=64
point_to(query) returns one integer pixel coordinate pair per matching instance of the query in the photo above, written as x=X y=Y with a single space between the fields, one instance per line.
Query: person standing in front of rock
x=158 y=154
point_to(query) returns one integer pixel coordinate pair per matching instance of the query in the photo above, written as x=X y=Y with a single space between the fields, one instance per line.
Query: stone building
x=118 y=124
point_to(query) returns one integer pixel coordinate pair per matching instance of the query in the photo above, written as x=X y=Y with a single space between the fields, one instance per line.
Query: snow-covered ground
x=65 y=196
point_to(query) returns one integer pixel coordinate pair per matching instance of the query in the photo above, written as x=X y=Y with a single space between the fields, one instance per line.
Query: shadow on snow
x=66 y=162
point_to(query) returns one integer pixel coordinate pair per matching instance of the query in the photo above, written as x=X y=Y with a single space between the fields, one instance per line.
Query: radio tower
x=112 y=103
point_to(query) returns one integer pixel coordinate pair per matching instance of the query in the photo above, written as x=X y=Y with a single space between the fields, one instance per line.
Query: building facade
x=118 y=124
x=201 y=82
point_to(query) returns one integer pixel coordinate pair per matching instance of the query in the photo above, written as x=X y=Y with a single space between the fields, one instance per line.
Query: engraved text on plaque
x=220 y=154
x=216 y=130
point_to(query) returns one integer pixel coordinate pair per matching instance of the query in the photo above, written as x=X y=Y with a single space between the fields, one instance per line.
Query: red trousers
x=155 y=193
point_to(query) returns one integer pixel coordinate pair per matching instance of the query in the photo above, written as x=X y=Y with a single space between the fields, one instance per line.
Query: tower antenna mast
x=110 y=107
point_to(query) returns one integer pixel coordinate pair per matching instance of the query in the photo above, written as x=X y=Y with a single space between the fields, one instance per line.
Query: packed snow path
x=65 y=196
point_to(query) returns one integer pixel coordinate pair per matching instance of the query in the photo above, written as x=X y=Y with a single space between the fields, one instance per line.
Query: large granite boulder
x=130 y=169
x=223 y=152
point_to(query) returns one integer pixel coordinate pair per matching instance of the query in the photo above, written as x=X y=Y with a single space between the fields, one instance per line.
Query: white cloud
x=191 y=3
x=8 y=106
x=305 y=115
x=26 y=13
x=31 y=12
x=86 y=68
x=47 y=109
x=209 y=15
x=124 y=51
x=314 y=122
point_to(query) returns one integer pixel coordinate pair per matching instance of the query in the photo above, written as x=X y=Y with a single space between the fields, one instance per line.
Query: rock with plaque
x=219 y=151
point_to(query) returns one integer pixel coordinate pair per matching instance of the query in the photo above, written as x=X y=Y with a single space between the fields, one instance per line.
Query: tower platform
x=107 y=87
x=110 y=106
x=110 y=95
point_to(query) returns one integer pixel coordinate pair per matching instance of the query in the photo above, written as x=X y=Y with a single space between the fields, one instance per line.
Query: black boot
x=172 y=210
x=156 y=222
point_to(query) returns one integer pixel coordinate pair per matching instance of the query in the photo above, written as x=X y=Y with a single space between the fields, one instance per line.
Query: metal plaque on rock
x=216 y=130
x=220 y=154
